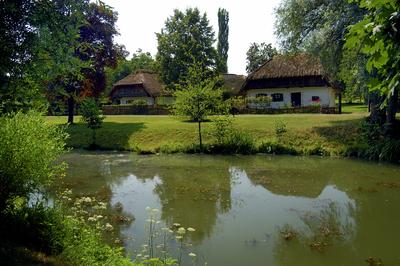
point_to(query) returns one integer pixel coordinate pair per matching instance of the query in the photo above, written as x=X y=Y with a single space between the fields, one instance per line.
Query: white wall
x=126 y=100
x=326 y=95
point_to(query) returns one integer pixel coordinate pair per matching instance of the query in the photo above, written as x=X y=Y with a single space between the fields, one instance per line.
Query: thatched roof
x=146 y=79
x=233 y=83
x=287 y=71
x=285 y=66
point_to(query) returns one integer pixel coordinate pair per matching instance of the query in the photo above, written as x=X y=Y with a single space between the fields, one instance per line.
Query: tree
x=377 y=37
x=223 y=42
x=38 y=46
x=258 y=54
x=186 y=38
x=198 y=97
x=91 y=115
x=97 y=48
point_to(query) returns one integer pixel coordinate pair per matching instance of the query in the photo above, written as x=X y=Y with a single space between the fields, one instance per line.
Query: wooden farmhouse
x=141 y=85
x=291 y=81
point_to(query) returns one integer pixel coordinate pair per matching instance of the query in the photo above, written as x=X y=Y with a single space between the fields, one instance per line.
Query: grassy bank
x=305 y=133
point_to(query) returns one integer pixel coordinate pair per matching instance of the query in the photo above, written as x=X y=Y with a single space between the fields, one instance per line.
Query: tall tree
x=186 y=38
x=258 y=54
x=223 y=42
x=377 y=36
x=38 y=46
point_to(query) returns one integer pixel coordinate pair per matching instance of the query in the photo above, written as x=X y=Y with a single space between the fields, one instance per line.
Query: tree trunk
x=201 y=143
x=71 y=104
x=377 y=115
x=340 y=103
x=392 y=108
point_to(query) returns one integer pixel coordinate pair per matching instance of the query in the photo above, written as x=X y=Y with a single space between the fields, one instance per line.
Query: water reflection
x=240 y=204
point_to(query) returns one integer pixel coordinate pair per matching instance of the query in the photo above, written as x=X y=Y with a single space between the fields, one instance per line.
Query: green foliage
x=29 y=147
x=376 y=145
x=187 y=38
x=223 y=41
x=280 y=128
x=198 y=96
x=319 y=28
x=91 y=115
x=258 y=54
x=229 y=140
x=44 y=42
x=377 y=37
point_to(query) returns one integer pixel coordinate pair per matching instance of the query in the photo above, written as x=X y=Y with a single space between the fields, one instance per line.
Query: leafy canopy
x=377 y=36
x=258 y=54
x=185 y=39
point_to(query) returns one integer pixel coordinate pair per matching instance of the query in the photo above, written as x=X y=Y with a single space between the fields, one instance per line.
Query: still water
x=251 y=210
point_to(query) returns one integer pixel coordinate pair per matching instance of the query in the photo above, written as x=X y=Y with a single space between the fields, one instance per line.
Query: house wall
x=128 y=100
x=165 y=100
x=326 y=95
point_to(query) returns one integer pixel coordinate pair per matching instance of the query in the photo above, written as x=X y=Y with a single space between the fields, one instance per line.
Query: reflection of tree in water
x=194 y=199
x=331 y=225
x=91 y=175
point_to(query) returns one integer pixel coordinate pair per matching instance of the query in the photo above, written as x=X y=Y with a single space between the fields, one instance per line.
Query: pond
x=249 y=210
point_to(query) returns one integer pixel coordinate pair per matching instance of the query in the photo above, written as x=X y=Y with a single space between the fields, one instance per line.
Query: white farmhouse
x=292 y=81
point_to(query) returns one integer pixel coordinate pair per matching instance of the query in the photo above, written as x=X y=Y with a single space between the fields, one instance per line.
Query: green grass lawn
x=151 y=133
x=354 y=108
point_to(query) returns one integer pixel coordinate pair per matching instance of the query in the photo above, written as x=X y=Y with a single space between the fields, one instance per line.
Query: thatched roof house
x=141 y=85
x=291 y=80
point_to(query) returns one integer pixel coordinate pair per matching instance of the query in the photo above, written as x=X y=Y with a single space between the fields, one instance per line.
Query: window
x=315 y=99
x=277 y=97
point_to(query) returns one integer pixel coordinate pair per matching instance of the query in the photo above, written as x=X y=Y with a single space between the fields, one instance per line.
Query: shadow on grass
x=111 y=136
x=340 y=132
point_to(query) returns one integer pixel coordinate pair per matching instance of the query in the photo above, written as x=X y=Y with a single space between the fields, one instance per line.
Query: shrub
x=227 y=139
x=28 y=149
x=376 y=145
x=91 y=115
x=280 y=128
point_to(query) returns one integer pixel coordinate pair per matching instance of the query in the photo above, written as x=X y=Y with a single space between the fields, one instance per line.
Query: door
x=296 y=99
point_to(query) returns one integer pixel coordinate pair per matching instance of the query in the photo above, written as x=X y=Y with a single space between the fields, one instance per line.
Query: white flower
x=190 y=229
x=179 y=237
x=147 y=208
x=181 y=230
x=92 y=219
x=109 y=227
x=176 y=224
x=191 y=254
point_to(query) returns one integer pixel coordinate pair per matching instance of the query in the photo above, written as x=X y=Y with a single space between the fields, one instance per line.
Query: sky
x=249 y=21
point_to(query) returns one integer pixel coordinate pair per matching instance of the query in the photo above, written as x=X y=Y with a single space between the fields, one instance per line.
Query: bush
x=376 y=145
x=29 y=148
x=280 y=128
x=91 y=115
x=227 y=139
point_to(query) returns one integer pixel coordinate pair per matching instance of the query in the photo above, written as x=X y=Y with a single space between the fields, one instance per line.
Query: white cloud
x=249 y=21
